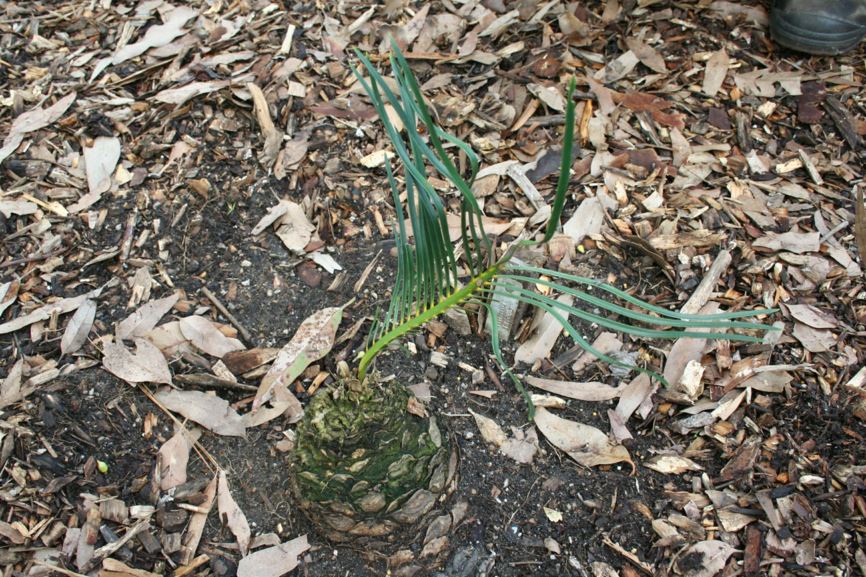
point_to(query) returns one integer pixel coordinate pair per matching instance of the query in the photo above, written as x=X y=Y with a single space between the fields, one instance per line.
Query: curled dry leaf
x=232 y=516
x=586 y=445
x=273 y=561
x=202 y=333
x=146 y=365
x=209 y=411
x=144 y=319
x=295 y=229
x=671 y=464
x=78 y=328
x=312 y=341
x=549 y=95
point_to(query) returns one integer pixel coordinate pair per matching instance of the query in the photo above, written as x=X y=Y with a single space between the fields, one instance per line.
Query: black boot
x=818 y=26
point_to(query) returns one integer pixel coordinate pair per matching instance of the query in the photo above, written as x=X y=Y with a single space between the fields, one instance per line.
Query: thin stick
x=225 y=312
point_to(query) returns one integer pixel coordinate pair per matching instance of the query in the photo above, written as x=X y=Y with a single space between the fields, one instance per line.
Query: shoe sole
x=802 y=40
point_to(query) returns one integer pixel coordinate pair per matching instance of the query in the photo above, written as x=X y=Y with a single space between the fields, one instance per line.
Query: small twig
x=645 y=567
x=34 y=258
x=225 y=312
x=58 y=569
x=212 y=382
x=107 y=550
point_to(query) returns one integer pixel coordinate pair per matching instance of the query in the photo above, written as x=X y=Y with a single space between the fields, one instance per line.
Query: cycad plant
x=365 y=465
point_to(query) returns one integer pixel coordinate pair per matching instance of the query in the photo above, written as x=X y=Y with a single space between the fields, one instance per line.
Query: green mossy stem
x=364 y=464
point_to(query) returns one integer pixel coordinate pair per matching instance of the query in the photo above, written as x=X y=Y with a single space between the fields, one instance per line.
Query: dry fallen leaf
x=173 y=457
x=547 y=330
x=144 y=319
x=586 y=445
x=209 y=411
x=10 y=388
x=715 y=73
x=549 y=95
x=273 y=561
x=586 y=391
x=585 y=221
x=33 y=120
x=312 y=341
x=671 y=464
x=146 y=365
x=489 y=429
x=43 y=313
x=100 y=160
x=232 y=516
x=813 y=316
x=158 y=35
x=648 y=55
x=295 y=229
x=202 y=333
x=78 y=328
x=704 y=559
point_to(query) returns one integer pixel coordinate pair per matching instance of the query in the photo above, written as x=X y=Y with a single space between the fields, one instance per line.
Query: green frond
x=427 y=282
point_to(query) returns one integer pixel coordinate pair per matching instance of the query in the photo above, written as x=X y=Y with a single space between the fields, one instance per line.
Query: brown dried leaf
x=813 y=316
x=547 y=330
x=158 y=35
x=585 y=391
x=586 y=445
x=671 y=464
x=232 y=516
x=173 y=458
x=100 y=160
x=715 y=73
x=146 y=365
x=656 y=106
x=209 y=411
x=704 y=559
x=10 y=388
x=33 y=120
x=202 y=333
x=489 y=429
x=273 y=561
x=648 y=55
x=43 y=313
x=312 y=341
x=814 y=340
x=78 y=328
x=144 y=319
x=295 y=229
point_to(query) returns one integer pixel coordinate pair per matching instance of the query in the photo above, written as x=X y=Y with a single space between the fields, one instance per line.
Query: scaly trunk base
x=368 y=473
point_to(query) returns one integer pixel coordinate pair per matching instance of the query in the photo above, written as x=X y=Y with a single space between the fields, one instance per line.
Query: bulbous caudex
x=365 y=469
